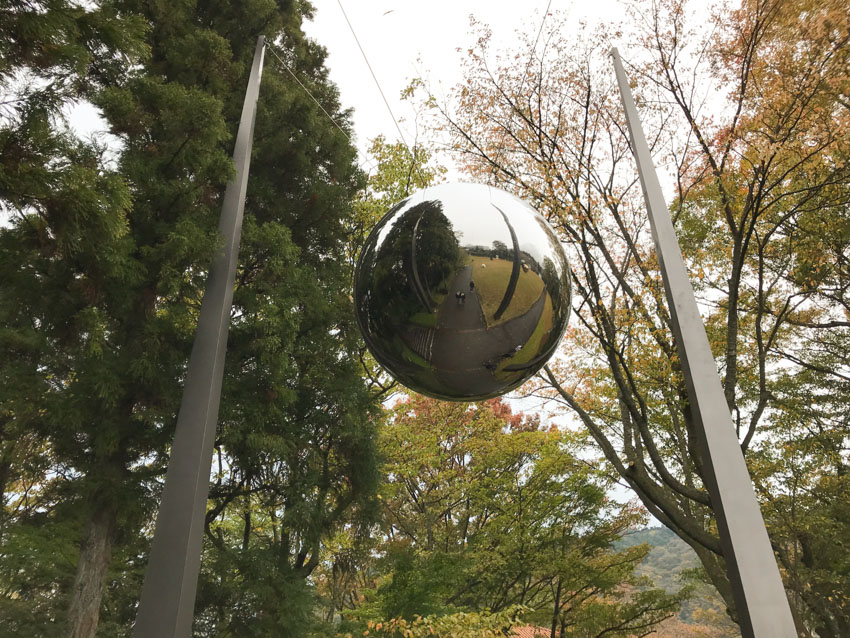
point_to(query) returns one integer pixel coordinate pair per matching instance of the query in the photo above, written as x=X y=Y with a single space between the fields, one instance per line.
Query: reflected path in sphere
x=468 y=353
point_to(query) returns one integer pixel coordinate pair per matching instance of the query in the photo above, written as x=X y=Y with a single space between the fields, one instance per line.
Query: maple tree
x=752 y=114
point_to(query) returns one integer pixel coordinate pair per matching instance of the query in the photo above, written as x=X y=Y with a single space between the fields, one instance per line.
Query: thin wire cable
x=522 y=80
x=539 y=31
x=374 y=77
x=307 y=91
x=362 y=165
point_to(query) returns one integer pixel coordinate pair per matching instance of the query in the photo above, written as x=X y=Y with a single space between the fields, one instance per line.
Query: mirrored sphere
x=462 y=292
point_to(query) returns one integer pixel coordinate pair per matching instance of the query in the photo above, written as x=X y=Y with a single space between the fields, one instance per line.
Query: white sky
x=404 y=40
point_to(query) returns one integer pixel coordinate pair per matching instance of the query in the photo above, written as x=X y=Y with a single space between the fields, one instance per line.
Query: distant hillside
x=704 y=614
x=670 y=555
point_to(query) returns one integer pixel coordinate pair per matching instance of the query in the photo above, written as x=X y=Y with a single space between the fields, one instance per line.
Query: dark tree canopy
x=104 y=254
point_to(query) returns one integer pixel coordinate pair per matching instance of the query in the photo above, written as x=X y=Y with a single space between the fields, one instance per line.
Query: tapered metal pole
x=166 y=608
x=760 y=598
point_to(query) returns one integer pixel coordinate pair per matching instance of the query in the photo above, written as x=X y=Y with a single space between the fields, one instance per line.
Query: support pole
x=762 y=605
x=166 y=608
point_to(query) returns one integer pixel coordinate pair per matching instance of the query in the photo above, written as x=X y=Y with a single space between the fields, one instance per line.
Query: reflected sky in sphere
x=462 y=292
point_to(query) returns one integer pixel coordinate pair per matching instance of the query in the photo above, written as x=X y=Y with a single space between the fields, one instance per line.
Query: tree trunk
x=92 y=569
x=715 y=569
x=555 y=613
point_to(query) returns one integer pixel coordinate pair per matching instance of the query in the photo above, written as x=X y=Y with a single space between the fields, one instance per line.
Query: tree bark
x=92 y=570
x=555 y=613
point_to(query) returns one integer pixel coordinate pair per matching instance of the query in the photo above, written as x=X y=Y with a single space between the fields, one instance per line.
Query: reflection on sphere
x=462 y=291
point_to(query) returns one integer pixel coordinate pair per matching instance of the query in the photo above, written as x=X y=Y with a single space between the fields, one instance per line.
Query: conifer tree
x=106 y=271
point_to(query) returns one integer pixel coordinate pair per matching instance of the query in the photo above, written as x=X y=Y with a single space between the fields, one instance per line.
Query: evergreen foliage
x=104 y=269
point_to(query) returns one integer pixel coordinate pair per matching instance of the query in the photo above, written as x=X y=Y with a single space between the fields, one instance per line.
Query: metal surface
x=462 y=292
x=759 y=595
x=168 y=597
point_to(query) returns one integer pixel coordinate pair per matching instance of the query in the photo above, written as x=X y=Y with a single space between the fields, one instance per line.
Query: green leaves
x=484 y=515
x=457 y=625
x=107 y=262
x=76 y=49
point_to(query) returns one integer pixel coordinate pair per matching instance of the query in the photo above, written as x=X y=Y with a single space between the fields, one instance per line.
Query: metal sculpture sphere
x=462 y=292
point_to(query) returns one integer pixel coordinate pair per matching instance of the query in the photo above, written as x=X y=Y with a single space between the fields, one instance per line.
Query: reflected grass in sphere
x=462 y=292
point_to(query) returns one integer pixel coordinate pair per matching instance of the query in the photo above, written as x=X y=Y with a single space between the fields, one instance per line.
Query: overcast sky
x=404 y=40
